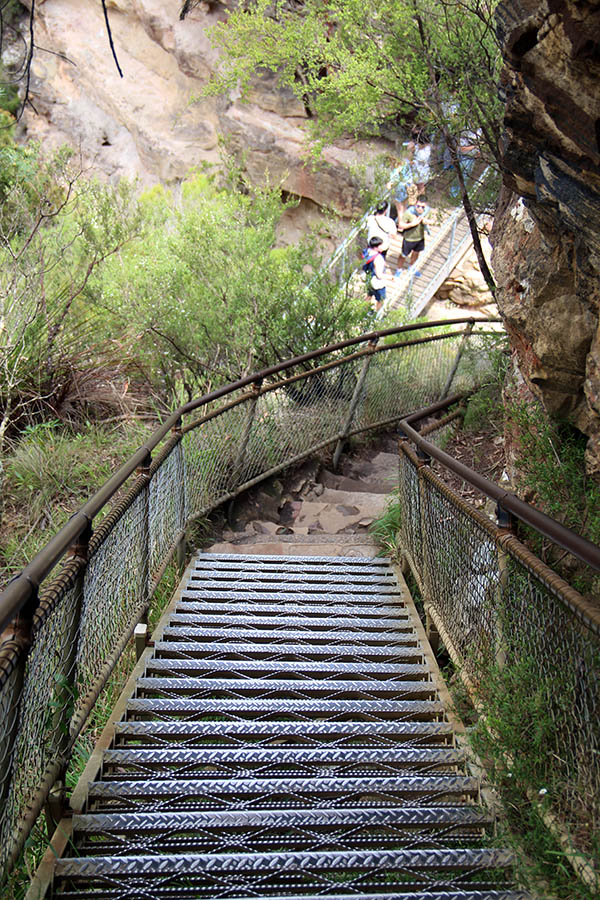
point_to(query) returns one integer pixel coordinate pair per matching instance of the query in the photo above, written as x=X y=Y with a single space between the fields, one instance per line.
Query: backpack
x=369 y=254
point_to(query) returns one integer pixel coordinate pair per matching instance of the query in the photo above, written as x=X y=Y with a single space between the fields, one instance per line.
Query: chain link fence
x=526 y=643
x=59 y=652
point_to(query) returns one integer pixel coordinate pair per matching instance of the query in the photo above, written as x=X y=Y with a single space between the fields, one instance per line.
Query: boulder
x=546 y=234
x=151 y=123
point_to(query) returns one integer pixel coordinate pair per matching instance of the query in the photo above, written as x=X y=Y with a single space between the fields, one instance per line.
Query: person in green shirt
x=413 y=227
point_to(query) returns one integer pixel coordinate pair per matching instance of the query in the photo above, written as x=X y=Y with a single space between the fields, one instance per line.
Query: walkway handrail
x=525 y=643
x=24 y=586
x=566 y=538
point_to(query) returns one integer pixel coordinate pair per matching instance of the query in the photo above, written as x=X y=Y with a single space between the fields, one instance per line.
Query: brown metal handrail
x=569 y=540
x=23 y=588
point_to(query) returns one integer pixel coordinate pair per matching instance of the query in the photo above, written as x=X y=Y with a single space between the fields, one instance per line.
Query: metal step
x=294 y=708
x=259 y=793
x=330 y=638
x=319 y=605
x=410 y=819
x=331 y=671
x=251 y=563
x=174 y=643
x=320 y=610
x=383 y=625
x=264 y=687
x=285 y=733
x=274 y=575
x=302 y=593
x=276 y=762
x=310 y=872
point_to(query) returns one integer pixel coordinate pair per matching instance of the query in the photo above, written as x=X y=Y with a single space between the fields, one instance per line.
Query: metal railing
x=526 y=643
x=64 y=636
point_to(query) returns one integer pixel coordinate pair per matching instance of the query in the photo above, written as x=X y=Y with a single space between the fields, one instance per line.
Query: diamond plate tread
x=246 y=668
x=457 y=894
x=285 y=707
x=282 y=863
x=280 y=589
x=333 y=576
x=383 y=624
x=310 y=638
x=319 y=608
x=250 y=760
x=409 y=817
x=409 y=649
x=289 y=687
x=279 y=731
x=321 y=562
x=294 y=593
x=204 y=789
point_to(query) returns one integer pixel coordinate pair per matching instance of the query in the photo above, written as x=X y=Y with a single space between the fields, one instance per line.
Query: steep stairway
x=287 y=735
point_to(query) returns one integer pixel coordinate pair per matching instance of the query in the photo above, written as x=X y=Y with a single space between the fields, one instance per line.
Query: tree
x=208 y=295
x=56 y=228
x=361 y=66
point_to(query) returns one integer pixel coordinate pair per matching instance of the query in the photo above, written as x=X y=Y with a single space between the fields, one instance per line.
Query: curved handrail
x=566 y=538
x=23 y=588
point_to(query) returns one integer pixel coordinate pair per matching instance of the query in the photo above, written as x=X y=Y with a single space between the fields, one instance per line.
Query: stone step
x=351 y=485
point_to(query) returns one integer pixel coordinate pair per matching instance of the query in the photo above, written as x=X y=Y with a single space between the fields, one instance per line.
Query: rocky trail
x=316 y=512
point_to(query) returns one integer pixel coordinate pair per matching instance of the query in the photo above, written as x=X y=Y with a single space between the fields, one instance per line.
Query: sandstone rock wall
x=145 y=124
x=547 y=231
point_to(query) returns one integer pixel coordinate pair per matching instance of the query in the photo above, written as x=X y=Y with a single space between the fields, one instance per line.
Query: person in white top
x=382 y=226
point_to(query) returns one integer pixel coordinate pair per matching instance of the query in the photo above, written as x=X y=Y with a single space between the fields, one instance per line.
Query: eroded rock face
x=547 y=231
x=144 y=124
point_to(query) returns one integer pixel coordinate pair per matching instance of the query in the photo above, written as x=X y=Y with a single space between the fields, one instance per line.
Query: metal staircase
x=285 y=739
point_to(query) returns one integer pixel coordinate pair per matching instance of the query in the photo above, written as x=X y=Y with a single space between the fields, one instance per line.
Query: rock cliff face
x=145 y=124
x=547 y=231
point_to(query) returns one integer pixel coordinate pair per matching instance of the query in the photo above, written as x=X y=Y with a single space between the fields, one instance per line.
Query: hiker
x=382 y=226
x=412 y=227
x=374 y=266
x=400 y=181
x=421 y=166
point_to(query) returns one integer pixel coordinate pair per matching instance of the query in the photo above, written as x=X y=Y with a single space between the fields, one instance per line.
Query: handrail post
x=66 y=678
x=16 y=639
x=181 y=516
x=143 y=471
x=507 y=525
x=353 y=403
x=461 y=349
x=451 y=245
x=239 y=463
x=430 y=627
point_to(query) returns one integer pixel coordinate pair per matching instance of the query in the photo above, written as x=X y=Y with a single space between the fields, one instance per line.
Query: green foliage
x=55 y=230
x=361 y=66
x=551 y=469
x=209 y=296
x=49 y=474
x=386 y=529
x=521 y=739
x=484 y=410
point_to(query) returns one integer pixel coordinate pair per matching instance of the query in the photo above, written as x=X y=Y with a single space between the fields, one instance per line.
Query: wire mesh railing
x=64 y=635
x=526 y=643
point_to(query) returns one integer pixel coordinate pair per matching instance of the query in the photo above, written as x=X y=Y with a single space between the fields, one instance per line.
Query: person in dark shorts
x=376 y=284
x=413 y=227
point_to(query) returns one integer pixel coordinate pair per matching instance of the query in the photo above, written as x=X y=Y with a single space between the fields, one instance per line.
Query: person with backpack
x=374 y=266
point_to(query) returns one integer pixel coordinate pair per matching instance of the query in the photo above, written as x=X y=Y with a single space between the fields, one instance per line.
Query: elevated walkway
x=288 y=733
x=286 y=737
